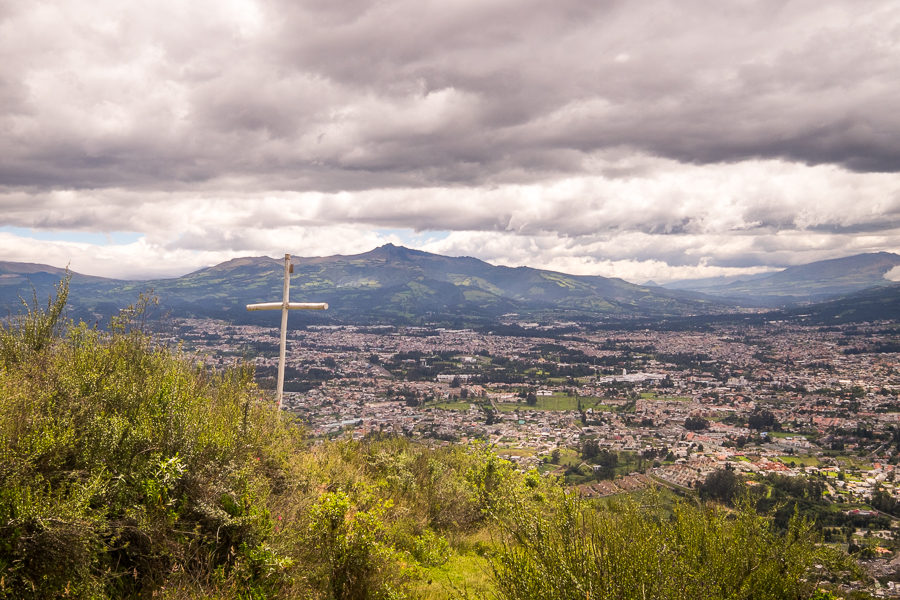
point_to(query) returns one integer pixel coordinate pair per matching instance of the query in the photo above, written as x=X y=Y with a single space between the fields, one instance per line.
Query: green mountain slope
x=389 y=283
x=874 y=304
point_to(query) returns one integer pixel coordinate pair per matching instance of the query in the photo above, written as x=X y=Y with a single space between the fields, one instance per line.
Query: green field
x=805 y=460
x=852 y=462
x=787 y=434
x=463 y=406
x=514 y=451
x=469 y=574
x=558 y=401
x=569 y=458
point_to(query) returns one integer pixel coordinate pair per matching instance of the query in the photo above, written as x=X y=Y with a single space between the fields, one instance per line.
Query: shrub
x=431 y=549
x=354 y=562
x=123 y=463
x=631 y=550
x=29 y=332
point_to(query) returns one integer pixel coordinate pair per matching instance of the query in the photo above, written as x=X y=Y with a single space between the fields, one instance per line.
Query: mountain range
x=813 y=282
x=393 y=284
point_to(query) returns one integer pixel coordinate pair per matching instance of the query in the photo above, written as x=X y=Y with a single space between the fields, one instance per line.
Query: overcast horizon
x=646 y=141
x=891 y=275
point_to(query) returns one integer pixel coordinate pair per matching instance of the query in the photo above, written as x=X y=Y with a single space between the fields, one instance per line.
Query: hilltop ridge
x=811 y=282
x=388 y=283
x=396 y=284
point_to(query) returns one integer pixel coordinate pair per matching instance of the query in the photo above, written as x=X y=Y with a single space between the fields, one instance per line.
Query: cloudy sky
x=644 y=140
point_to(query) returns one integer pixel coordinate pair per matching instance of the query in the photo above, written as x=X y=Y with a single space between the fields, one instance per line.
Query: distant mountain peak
x=814 y=281
x=12 y=270
x=236 y=263
x=391 y=251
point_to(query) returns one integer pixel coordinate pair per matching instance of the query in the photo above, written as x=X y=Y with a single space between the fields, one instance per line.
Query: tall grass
x=122 y=463
x=628 y=549
x=30 y=331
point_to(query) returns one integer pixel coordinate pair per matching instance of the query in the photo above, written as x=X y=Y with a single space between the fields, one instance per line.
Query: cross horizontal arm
x=290 y=305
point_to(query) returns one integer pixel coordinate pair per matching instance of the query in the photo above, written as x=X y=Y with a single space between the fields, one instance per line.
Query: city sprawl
x=610 y=409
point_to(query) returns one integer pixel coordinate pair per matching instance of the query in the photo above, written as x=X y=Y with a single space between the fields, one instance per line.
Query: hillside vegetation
x=130 y=470
x=390 y=284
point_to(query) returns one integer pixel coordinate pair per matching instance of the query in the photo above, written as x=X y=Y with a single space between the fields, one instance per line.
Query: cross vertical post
x=285 y=305
x=285 y=298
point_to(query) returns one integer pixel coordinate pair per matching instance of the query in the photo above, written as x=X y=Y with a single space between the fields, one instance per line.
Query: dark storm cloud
x=359 y=95
x=699 y=82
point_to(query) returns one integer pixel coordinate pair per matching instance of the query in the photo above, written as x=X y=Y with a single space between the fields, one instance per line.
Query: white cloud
x=665 y=221
x=144 y=259
x=644 y=140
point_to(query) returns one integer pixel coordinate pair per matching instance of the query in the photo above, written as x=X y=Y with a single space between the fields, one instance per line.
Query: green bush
x=431 y=549
x=630 y=550
x=354 y=560
x=122 y=463
x=31 y=331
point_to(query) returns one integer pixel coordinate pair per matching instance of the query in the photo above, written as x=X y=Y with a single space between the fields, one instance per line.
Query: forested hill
x=393 y=284
x=387 y=284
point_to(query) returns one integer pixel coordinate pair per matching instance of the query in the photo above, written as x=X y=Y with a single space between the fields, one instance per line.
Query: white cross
x=285 y=306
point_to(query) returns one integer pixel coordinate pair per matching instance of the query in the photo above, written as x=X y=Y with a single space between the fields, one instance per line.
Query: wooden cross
x=285 y=305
